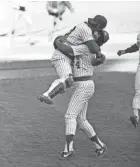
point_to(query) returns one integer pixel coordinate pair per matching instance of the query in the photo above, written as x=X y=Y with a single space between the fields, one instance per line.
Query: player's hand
x=120 y=52
x=99 y=60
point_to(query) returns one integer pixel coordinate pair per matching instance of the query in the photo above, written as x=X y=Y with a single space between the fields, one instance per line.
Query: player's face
x=96 y=35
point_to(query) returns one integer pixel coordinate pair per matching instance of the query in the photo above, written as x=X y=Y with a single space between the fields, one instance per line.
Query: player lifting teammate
x=83 y=90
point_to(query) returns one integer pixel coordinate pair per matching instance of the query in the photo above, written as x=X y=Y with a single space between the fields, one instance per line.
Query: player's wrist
x=125 y=51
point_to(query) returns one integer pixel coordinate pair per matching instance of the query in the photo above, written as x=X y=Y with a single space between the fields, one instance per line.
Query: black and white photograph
x=69 y=83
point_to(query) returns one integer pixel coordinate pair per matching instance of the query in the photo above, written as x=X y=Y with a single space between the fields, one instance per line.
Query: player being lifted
x=84 y=33
x=136 y=100
x=57 y=9
x=20 y=10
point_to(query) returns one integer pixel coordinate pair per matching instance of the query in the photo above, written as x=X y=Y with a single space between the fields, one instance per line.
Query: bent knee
x=70 y=119
x=82 y=122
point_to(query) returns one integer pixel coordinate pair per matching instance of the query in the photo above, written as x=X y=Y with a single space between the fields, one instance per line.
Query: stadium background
x=122 y=15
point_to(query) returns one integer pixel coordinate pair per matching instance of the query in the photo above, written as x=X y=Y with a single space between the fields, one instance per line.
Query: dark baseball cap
x=100 y=21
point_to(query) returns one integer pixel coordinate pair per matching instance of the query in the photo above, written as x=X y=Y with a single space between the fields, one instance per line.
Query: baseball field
x=32 y=133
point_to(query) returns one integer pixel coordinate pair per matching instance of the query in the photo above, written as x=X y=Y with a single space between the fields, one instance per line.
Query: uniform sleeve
x=49 y=6
x=68 y=4
x=133 y=48
x=85 y=33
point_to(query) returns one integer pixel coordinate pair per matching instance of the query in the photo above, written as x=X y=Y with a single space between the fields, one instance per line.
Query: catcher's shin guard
x=61 y=86
x=57 y=90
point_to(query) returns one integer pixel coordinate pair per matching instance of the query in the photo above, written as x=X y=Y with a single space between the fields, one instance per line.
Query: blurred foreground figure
x=20 y=13
x=57 y=9
x=136 y=99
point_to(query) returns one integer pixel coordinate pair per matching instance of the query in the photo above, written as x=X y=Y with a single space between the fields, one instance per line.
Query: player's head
x=101 y=36
x=98 y=22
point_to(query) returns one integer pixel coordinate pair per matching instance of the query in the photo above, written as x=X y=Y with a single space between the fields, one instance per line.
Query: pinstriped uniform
x=78 y=35
x=82 y=92
x=59 y=6
x=136 y=99
x=61 y=63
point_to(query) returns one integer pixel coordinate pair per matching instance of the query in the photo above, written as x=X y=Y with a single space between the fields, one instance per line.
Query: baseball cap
x=100 y=21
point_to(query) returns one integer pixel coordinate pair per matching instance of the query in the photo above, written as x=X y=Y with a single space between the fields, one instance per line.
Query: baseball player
x=20 y=10
x=57 y=9
x=80 y=34
x=136 y=100
x=83 y=90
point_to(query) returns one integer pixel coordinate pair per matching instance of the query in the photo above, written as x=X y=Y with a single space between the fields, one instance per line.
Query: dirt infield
x=32 y=133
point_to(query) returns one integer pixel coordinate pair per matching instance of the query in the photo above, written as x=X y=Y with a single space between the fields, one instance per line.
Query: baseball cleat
x=101 y=150
x=134 y=120
x=67 y=154
x=45 y=99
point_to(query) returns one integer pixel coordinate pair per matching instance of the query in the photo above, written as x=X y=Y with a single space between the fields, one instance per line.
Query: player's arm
x=49 y=7
x=63 y=48
x=68 y=5
x=87 y=38
x=131 y=49
x=93 y=47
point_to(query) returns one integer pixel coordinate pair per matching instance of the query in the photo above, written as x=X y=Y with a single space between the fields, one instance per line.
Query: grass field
x=32 y=133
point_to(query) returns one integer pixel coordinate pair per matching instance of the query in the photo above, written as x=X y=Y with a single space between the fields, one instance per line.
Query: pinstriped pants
x=62 y=64
x=136 y=99
x=77 y=108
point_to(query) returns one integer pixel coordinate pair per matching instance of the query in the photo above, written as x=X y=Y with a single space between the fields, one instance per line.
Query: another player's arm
x=93 y=47
x=131 y=49
x=89 y=40
x=65 y=49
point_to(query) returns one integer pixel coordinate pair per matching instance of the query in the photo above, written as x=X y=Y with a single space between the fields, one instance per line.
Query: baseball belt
x=83 y=78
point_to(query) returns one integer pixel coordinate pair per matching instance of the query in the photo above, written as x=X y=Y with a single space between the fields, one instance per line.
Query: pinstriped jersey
x=82 y=62
x=80 y=34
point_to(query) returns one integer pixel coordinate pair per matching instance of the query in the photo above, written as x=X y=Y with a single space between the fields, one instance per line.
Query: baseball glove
x=99 y=61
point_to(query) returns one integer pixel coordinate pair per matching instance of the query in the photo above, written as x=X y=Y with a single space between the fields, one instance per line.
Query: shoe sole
x=45 y=100
x=72 y=153
x=134 y=122
x=101 y=154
